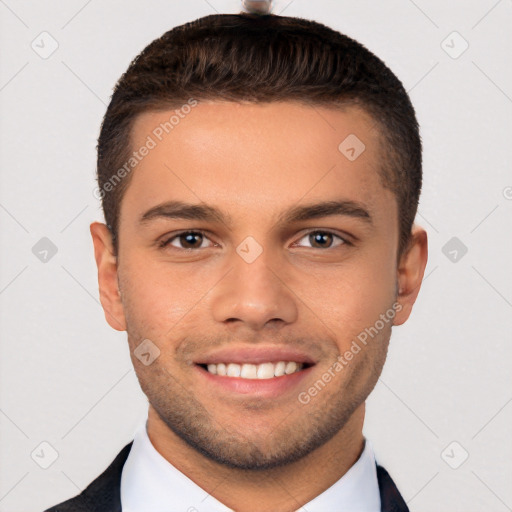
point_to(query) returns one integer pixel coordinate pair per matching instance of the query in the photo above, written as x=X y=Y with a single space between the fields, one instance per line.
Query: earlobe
x=410 y=273
x=106 y=262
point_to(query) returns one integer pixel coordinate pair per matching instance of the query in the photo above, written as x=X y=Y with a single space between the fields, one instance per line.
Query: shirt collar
x=149 y=483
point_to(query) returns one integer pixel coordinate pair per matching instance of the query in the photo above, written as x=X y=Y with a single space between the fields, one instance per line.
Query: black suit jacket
x=104 y=493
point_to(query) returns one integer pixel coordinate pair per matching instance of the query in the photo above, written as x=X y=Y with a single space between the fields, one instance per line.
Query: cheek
x=158 y=297
x=352 y=297
x=151 y=302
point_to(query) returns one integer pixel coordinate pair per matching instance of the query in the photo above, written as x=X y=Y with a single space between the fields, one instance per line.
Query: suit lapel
x=390 y=498
x=103 y=494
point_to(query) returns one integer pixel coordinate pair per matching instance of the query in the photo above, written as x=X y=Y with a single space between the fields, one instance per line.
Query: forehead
x=255 y=158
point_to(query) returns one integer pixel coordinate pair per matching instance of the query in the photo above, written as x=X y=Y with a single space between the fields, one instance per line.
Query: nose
x=254 y=294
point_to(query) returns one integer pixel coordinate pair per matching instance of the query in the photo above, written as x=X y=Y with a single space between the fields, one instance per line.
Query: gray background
x=66 y=376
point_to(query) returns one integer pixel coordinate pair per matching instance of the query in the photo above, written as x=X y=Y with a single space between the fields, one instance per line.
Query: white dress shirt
x=149 y=483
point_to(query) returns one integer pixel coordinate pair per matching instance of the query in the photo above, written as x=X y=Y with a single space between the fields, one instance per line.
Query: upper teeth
x=255 y=371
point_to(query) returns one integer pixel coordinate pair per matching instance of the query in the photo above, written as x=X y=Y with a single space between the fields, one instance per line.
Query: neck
x=283 y=489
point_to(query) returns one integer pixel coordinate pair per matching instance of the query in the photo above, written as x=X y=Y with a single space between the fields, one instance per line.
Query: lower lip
x=266 y=388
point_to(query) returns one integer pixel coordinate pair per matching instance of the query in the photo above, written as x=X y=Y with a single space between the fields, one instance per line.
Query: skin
x=253 y=162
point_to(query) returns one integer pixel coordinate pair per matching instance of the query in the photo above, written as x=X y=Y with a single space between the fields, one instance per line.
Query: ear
x=410 y=273
x=106 y=262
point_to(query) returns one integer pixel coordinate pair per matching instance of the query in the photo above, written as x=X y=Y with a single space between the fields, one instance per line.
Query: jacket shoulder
x=103 y=494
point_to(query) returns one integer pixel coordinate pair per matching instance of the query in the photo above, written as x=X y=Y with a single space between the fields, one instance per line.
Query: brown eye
x=324 y=239
x=320 y=239
x=186 y=240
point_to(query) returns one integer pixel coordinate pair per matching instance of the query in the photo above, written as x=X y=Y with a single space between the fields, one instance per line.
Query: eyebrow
x=203 y=212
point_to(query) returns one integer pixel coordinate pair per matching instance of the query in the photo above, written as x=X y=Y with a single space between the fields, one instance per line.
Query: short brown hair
x=262 y=58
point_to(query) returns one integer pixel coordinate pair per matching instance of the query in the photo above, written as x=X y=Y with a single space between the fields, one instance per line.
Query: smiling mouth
x=260 y=371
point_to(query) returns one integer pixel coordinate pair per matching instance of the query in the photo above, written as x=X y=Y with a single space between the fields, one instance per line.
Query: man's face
x=257 y=287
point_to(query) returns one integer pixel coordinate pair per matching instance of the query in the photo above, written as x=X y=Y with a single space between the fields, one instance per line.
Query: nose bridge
x=254 y=292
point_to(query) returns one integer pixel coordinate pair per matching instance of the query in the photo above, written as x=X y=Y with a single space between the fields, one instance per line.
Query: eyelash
x=166 y=243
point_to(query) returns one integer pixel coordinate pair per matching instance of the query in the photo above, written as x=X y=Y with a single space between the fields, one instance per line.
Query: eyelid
x=344 y=237
x=166 y=242
x=167 y=239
